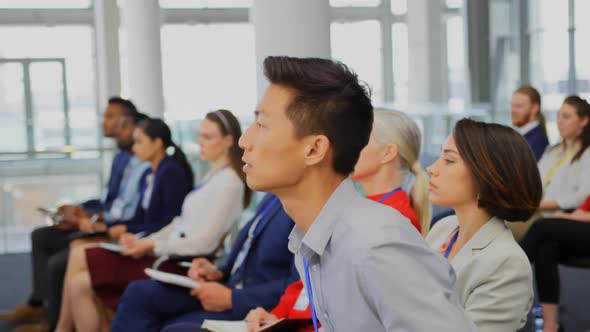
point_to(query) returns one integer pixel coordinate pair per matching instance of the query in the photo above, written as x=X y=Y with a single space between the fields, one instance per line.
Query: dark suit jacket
x=537 y=140
x=171 y=185
x=267 y=269
x=118 y=166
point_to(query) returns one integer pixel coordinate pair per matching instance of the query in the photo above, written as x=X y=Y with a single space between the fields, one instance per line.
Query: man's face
x=111 y=120
x=274 y=157
x=522 y=109
x=124 y=135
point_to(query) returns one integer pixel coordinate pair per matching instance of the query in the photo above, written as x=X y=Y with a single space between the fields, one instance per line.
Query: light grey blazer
x=494 y=277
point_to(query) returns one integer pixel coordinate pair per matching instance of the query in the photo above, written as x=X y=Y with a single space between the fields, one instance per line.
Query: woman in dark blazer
x=163 y=189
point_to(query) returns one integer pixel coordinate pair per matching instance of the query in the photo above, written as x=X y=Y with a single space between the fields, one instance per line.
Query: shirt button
x=314 y=268
x=325 y=315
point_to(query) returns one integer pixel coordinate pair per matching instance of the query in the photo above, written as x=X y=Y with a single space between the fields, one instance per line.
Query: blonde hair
x=393 y=127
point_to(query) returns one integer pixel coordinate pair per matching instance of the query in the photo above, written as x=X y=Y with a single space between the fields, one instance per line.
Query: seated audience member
x=487 y=173
x=164 y=187
x=207 y=214
x=549 y=242
x=50 y=244
x=562 y=165
x=528 y=118
x=368 y=268
x=394 y=146
x=257 y=270
x=383 y=165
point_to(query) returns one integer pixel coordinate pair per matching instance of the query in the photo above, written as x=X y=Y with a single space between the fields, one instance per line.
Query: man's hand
x=139 y=248
x=213 y=296
x=258 y=317
x=116 y=231
x=71 y=213
x=203 y=270
x=85 y=225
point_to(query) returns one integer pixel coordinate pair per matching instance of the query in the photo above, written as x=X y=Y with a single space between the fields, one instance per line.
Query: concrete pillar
x=141 y=19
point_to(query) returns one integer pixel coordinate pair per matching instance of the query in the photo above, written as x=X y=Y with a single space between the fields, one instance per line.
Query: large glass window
x=456 y=60
x=12 y=108
x=582 y=47
x=549 y=53
x=206 y=3
x=74 y=45
x=202 y=74
x=358 y=45
x=400 y=62
x=45 y=3
x=355 y=3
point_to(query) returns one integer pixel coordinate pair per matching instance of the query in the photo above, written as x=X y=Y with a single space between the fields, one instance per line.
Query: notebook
x=111 y=246
x=284 y=325
x=171 y=278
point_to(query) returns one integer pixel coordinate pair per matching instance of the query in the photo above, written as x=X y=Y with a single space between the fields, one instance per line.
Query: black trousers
x=550 y=241
x=50 y=252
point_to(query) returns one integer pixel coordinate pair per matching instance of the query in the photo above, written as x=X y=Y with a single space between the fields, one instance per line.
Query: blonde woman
x=385 y=163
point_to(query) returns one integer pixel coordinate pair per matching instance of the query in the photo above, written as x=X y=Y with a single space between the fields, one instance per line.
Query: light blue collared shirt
x=125 y=205
x=371 y=271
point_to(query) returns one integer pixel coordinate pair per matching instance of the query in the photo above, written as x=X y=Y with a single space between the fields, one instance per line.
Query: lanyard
x=248 y=243
x=314 y=318
x=451 y=244
x=555 y=168
x=386 y=196
x=202 y=183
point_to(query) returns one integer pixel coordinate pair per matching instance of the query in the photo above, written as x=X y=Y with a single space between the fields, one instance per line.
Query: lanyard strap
x=451 y=244
x=555 y=168
x=202 y=183
x=248 y=243
x=314 y=318
x=386 y=196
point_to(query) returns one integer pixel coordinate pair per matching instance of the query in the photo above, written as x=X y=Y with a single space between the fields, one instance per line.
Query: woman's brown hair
x=503 y=167
x=535 y=98
x=229 y=125
x=583 y=111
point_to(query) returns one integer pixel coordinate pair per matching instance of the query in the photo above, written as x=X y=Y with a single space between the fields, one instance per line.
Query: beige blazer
x=494 y=277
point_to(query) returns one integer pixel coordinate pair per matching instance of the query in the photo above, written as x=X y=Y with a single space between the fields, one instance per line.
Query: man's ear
x=317 y=148
x=389 y=153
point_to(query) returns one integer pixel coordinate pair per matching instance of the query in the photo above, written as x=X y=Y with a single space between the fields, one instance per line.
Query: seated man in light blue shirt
x=363 y=267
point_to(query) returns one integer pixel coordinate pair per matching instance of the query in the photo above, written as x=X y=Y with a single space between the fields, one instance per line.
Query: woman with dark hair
x=487 y=174
x=208 y=212
x=562 y=165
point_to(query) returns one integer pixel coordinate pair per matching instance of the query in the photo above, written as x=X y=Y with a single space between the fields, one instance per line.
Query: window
x=73 y=44
x=202 y=74
x=400 y=62
x=399 y=7
x=12 y=108
x=45 y=3
x=582 y=46
x=355 y=3
x=358 y=45
x=456 y=60
x=206 y=3
x=549 y=53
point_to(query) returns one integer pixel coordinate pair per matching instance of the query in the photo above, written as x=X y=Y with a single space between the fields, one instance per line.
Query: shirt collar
x=527 y=127
x=319 y=233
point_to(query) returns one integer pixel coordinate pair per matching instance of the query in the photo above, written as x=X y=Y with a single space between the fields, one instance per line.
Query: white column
x=106 y=27
x=141 y=19
x=299 y=28
x=428 y=79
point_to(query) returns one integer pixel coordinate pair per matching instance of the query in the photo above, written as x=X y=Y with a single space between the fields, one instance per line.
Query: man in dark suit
x=255 y=274
x=528 y=119
x=50 y=243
